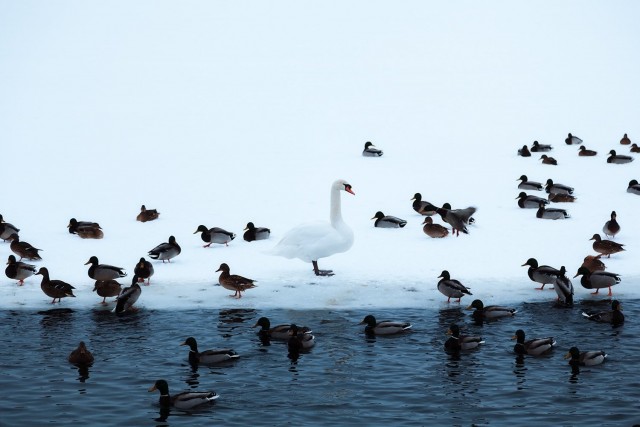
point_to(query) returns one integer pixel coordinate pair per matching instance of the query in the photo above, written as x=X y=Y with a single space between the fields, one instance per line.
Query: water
x=346 y=379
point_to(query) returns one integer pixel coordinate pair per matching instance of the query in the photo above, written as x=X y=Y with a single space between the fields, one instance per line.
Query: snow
x=221 y=113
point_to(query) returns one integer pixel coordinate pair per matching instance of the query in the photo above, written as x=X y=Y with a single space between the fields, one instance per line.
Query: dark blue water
x=346 y=379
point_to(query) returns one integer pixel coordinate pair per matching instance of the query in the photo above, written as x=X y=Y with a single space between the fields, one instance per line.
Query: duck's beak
x=184 y=343
x=567 y=356
x=469 y=308
x=449 y=332
x=88 y=262
x=524 y=264
x=514 y=337
x=153 y=388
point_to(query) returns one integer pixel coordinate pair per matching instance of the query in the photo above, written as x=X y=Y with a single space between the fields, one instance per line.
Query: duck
x=618 y=159
x=551 y=213
x=215 y=235
x=593 y=263
x=548 y=160
x=81 y=355
x=466 y=214
x=634 y=148
x=278 y=332
x=54 y=288
x=233 y=282
x=457 y=342
x=85 y=229
x=106 y=289
x=543 y=274
x=584 y=152
x=526 y=201
x=144 y=270
x=251 y=233
x=24 y=249
x=422 y=206
x=525 y=184
x=99 y=271
x=524 y=151
x=451 y=288
x=456 y=218
x=384 y=221
x=208 y=357
x=572 y=139
x=128 y=297
x=166 y=251
x=19 y=271
x=147 y=214
x=184 y=400
x=557 y=188
x=311 y=241
x=611 y=227
x=585 y=358
x=633 y=187
x=614 y=316
x=606 y=247
x=625 y=140
x=561 y=198
x=536 y=147
x=598 y=279
x=564 y=288
x=370 y=150
x=6 y=229
x=490 y=312
x=532 y=347
x=385 y=327
x=436 y=231
x=306 y=339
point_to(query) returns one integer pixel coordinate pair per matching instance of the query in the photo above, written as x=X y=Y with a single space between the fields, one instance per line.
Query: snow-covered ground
x=222 y=113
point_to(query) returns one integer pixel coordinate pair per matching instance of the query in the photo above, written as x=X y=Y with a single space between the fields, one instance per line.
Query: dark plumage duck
x=541 y=273
x=536 y=147
x=6 y=229
x=526 y=201
x=81 y=355
x=585 y=358
x=251 y=233
x=466 y=214
x=457 y=342
x=23 y=249
x=561 y=198
x=524 y=151
x=598 y=279
x=548 y=160
x=387 y=221
x=557 y=188
x=147 y=214
x=451 y=288
x=456 y=218
x=278 y=332
x=19 y=271
x=593 y=263
x=633 y=187
x=614 y=316
x=436 y=231
x=385 y=327
x=606 y=247
x=625 y=140
x=564 y=288
x=525 y=184
x=144 y=270
x=128 y=297
x=551 y=213
x=584 y=152
x=306 y=340
x=184 y=400
x=370 y=150
x=166 y=251
x=54 y=288
x=99 y=271
x=572 y=140
x=214 y=235
x=233 y=282
x=422 y=206
x=85 y=229
x=611 y=227
x=533 y=347
x=208 y=357
x=107 y=289
x=489 y=312
x=618 y=159
x=634 y=148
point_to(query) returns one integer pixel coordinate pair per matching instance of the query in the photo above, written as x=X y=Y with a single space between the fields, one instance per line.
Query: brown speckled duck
x=23 y=249
x=107 y=288
x=6 y=229
x=81 y=355
x=606 y=247
x=611 y=227
x=584 y=152
x=19 y=271
x=166 y=251
x=147 y=214
x=561 y=198
x=233 y=282
x=634 y=148
x=524 y=151
x=436 y=231
x=144 y=270
x=85 y=229
x=593 y=263
x=252 y=233
x=625 y=140
x=548 y=160
x=54 y=288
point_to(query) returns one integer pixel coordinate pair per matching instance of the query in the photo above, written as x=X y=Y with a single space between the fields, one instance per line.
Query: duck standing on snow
x=166 y=251
x=572 y=139
x=370 y=150
x=251 y=233
x=564 y=288
x=107 y=288
x=533 y=347
x=312 y=241
x=147 y=214
x=536 y=147
x=597 y=280
x=19 y=271
x=436 y=231
x=215 y=235
x=456 y=218
x=99 y=271
x=85 y=229
x=606 y=247
x=541 y=273
x=144 y=270
x=524 y=151
x=233 y=282
x=526 y=201
x=208 y=357
x=54 y=288
x=385 y=327
x=184 y=400
x=422 y=206
x=457 y=342
x=611 y=227
x=451 y=288
x=6 y=229
x=625 y=140
x=23 y=249
x=525 y=184
x=618 y=159
x=614 y=316
x=633 y=187
x=593 y=263
x=551 y=213
x=128 y=296
x=384 y=221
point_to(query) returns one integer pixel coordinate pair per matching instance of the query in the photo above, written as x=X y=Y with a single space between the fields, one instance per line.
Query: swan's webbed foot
x=325 y=273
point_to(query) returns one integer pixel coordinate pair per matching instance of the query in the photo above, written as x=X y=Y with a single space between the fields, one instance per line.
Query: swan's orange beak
x=349 y=190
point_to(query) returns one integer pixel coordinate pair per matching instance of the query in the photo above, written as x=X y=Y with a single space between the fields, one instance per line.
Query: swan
x=312 y=241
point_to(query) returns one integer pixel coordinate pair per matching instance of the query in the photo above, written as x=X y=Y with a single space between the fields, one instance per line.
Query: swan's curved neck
x=335 y=213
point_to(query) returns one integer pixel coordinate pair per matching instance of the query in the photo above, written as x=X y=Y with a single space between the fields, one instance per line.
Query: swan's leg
x=319 y=272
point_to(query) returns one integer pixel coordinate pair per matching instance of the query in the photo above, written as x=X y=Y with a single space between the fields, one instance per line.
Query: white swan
x=312 y=241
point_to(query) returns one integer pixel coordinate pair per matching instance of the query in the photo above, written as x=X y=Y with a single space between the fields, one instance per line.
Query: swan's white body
x=314 y=240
